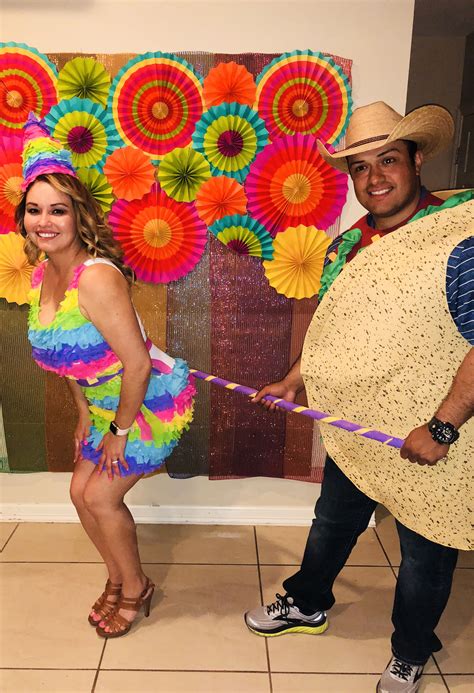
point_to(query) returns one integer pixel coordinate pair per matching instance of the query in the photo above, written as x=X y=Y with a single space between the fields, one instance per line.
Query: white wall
x=375 y=34
x=435 y=80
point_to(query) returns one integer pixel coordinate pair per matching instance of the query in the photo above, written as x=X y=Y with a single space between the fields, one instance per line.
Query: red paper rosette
x=290 y=184
x=163 y=240
x=304 y=92
x=27 y=83
x=11 y=178
x=156 y=100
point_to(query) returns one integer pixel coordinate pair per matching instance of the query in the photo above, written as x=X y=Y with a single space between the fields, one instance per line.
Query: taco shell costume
x=382 y=349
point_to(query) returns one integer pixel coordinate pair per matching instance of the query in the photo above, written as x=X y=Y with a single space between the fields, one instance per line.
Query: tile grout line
x=385 y=554
x=212 y=565
x=94 y=683
x=261 y=600
x=440 y=672
x=225 y=671
x=13 y=532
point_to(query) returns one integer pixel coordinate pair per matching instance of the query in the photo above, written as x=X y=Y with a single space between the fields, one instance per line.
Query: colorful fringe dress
x=71 y=346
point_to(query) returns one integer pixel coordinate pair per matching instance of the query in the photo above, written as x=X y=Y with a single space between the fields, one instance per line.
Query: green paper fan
x=182 y=172
x=85 y=78
x=98 y=186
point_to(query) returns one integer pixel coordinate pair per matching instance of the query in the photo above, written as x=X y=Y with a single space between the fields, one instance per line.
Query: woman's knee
x=97 y=502
x=76 y=493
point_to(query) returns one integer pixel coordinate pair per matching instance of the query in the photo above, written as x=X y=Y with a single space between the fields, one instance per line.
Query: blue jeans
x=424 y=579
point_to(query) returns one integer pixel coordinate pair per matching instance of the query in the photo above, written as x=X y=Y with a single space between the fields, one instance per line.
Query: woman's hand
x=113 y=448
x=81 y=433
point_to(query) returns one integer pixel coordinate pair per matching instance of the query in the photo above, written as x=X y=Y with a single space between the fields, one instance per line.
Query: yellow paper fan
x=298 y=260
x=15 y=270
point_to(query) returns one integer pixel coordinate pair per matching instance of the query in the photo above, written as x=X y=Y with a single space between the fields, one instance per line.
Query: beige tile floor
x=195 y=640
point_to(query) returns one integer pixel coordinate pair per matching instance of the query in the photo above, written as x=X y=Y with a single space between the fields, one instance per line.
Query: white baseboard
x=169 y=514
x=166 y=514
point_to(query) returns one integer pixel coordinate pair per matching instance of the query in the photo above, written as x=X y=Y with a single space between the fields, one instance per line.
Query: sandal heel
x=147 y=603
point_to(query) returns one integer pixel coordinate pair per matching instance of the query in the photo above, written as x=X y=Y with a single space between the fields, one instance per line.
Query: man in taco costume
x=391 y=345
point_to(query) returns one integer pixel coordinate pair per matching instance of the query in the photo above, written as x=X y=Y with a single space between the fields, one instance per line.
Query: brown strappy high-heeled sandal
x=118 y=624
x=104 y=606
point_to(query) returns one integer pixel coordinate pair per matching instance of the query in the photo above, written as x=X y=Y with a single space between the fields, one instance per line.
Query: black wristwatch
x=442 y=432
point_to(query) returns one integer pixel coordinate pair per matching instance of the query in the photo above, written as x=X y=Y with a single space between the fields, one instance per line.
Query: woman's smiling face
x=49 y=219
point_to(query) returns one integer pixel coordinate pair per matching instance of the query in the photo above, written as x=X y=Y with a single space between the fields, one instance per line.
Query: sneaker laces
x=281 y=606
x=401 y=669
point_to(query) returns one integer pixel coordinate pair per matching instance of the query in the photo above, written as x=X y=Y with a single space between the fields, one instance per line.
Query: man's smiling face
x=386 y=182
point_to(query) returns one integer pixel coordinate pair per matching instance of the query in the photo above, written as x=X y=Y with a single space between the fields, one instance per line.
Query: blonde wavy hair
x=92 y=228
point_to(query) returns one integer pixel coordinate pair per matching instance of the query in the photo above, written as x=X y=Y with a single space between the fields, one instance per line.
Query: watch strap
x=443 y=432
x=118 y=431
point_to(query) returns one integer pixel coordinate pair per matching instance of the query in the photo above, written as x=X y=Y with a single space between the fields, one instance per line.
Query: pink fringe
x=145 y=428
x=37 y=275
x=161 y=366
x=92 y=370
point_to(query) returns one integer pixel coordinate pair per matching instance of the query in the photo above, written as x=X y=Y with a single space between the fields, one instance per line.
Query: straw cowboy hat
x=372 y=126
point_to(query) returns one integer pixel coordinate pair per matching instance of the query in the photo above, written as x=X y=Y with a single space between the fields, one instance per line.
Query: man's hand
x=278 y=389
x=420 y=447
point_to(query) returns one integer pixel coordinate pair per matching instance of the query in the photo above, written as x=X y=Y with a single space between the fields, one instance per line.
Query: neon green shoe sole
x=317 y=630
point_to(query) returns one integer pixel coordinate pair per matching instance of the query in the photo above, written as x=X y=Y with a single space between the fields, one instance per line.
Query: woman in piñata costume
x=133 y=400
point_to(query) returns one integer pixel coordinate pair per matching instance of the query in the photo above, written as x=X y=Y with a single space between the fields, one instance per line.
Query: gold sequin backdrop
x=223 y=318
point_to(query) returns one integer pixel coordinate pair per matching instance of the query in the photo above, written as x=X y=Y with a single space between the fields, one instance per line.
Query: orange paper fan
x=229 y=82
x=219 y=197
x=130 y=173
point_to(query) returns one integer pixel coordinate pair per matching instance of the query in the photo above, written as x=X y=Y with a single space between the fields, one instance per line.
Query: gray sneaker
x=400 y=677
x=283 y=616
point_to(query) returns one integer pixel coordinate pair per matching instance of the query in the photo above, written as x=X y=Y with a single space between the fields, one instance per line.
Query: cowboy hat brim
x=431 y=127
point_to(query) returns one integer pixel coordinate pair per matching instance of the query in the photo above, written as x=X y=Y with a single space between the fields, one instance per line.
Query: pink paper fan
x=290 y=184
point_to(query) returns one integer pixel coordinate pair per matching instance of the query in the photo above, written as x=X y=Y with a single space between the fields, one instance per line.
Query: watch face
x=443 y=432
x=446 y=433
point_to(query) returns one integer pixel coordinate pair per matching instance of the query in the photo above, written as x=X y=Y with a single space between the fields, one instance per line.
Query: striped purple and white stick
x=363 y=431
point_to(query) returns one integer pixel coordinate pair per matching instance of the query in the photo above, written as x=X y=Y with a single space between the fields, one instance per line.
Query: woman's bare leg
x=104 y=501
x=82 y=472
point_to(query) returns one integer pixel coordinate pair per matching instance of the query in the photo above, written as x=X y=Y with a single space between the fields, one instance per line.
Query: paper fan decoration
x=290 y=184
x=27 y=83
x=162 y=239
x=304 y=92
x=182 y=172
x=6 y=225
x=219 y=197
x=10 y=190
x=298 y=260
x=84 y=78
x=230 y=136
x=11 y=148
x=15 y=270
x=11 y=178
x=244 y=235
x=130 y=173
x=156 y=100
x=84 y=128
x=229 y=82
x=98 y=186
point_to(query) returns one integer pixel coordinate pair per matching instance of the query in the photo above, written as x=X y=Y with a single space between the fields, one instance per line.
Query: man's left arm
x=456 y=409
